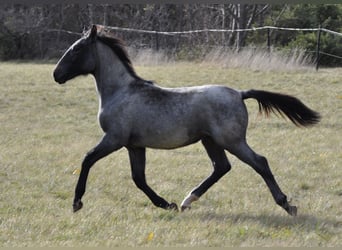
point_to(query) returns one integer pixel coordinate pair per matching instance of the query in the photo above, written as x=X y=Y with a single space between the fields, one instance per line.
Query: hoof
x=172 y=206
x=292 y=210
x=186 y=203
x=183 y=208
x=77 y=205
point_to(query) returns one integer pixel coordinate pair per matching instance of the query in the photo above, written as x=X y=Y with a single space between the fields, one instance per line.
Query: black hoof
x=172 y=206
x=77 y=205
x=292 y=210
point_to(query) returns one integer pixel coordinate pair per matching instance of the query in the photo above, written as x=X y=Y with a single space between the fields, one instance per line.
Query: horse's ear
x=93 y=32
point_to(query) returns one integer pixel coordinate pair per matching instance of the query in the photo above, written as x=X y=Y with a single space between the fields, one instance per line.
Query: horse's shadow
x=310 y=222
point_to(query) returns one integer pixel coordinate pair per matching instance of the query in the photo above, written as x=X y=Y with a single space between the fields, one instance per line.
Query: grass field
x=46 y=129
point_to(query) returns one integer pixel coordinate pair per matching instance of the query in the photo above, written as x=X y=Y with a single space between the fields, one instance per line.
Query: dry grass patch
x=260 y=59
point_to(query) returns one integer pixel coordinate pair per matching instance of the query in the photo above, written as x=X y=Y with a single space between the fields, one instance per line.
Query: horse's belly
x=164 y=139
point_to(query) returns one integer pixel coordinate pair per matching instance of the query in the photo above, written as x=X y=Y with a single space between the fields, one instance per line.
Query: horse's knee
x=226 y=168
x=260 y=160
x=139 y=182
x=262 y=166
x=222 y=169
x=139 y=178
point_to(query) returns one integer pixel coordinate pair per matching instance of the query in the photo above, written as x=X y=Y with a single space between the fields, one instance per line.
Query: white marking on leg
x=186 y=203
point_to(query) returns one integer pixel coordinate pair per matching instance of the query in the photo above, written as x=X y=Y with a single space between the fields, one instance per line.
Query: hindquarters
x=228 y=118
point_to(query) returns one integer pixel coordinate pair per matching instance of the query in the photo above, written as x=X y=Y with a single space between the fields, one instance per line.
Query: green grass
x=46 y=129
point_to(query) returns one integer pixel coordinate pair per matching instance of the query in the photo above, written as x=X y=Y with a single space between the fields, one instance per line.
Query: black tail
x=286 y=105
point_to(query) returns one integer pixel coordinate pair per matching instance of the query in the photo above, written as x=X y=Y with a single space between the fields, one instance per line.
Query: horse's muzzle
x=58 y=77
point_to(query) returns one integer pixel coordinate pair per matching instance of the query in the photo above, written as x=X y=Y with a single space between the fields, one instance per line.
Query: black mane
x=118 y=47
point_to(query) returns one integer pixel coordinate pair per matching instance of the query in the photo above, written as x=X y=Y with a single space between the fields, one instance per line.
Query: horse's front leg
x=137 y=157
x=104 y=148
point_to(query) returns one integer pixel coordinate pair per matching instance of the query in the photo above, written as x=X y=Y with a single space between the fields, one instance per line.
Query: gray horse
x=135 y=113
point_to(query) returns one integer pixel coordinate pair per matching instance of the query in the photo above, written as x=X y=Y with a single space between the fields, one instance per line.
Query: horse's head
x=78 y=60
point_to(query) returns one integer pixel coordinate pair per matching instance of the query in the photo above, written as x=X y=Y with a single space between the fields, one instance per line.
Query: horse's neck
x=110 y=74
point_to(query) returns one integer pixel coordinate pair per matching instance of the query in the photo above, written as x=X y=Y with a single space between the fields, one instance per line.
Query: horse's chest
x=112 y=115
x=103 y=120
x=107 y=120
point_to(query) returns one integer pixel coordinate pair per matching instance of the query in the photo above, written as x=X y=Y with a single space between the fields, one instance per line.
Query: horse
x=137 y=114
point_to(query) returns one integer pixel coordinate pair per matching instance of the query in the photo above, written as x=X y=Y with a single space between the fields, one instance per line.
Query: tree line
x=39 y=32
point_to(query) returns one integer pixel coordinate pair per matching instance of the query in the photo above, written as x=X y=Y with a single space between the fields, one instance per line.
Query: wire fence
x=172 y=33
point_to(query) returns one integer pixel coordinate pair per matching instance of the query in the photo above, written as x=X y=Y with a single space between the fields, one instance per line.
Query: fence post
x=269 y=40
x=157 y=40
x=318 y=46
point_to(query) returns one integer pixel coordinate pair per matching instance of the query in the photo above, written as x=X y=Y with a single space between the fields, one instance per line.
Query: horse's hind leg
x=260 y=165
x=221 y=167
x=137 y=157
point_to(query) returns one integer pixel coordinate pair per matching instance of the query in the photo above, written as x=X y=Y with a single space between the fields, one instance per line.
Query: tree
x=244 y=16
x=325 y=16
